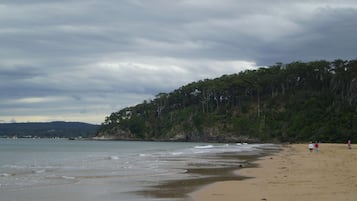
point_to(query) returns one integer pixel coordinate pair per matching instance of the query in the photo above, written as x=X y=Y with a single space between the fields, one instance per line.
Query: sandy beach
x=293 y=174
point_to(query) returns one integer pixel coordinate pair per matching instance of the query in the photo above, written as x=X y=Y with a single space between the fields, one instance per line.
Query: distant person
x=349 y=144
x=316 y=147
x=311 y=147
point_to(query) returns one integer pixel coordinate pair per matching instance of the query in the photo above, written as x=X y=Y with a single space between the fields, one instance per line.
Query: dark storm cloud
x=327 y=34
x=82 y=59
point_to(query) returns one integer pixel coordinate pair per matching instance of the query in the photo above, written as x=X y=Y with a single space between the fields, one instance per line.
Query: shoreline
x=202 y=174
x=292 y=174
x=181 y=188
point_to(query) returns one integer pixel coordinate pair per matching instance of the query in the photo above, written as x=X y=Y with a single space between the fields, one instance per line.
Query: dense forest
x=295 y=102
x=50 y=129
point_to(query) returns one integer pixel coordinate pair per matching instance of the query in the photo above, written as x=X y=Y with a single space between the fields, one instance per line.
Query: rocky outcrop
x=207 y=135
x=115 y=134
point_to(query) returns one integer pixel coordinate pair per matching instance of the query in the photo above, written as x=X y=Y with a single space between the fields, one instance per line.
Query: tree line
x=299 y=101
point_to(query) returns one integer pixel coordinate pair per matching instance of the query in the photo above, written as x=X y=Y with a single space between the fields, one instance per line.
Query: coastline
x=206 y=174
x=292 y=174
x=199 y=174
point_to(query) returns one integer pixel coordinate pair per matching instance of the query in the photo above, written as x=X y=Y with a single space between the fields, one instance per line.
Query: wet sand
x=293 y=174
x=205 y=174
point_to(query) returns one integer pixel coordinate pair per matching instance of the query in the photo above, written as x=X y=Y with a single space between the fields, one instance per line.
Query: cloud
x=81 y=60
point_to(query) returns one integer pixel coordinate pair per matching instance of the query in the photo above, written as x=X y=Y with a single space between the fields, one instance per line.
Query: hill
x=51 y=129
x=300 y=101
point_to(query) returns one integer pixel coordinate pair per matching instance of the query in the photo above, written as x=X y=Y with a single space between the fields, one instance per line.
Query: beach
x=293 y=174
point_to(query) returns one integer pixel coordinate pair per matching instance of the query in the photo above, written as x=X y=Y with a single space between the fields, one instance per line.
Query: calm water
x=63 y=170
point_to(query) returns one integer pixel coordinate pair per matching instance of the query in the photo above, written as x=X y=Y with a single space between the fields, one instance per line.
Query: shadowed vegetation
x=299 y=101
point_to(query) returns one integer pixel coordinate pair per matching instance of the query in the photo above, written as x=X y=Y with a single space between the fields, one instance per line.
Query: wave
x=38 y=171
x=113 y=158
x=5 y=175
x=176 y=153
x=204 y=146
x=68 y=177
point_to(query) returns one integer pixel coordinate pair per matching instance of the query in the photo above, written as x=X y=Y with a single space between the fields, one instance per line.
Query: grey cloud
x=100 y=56
x=328 y=34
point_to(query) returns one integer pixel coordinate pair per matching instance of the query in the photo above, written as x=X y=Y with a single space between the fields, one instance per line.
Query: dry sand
x=293 y=174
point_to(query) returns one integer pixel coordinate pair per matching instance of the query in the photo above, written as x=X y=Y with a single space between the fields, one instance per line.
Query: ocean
x=67 y=170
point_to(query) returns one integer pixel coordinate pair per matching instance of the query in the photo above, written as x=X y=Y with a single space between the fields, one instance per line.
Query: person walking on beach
x=317 y=147
x=311 y=147
x=349 y=144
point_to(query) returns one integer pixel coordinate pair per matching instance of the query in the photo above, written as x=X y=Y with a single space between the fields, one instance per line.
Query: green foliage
x=292 y=102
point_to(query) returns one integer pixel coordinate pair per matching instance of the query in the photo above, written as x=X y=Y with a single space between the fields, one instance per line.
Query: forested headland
x=295 y=102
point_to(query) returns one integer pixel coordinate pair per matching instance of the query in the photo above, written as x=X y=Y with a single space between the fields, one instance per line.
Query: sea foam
x=204 y=147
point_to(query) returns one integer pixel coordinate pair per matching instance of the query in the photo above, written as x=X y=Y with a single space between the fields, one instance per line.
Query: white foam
x=68 y=177
x=5 y=175
x=204 y=146
x=176 y=153
x=113 y=157
x=38 y=171
x=15 y=166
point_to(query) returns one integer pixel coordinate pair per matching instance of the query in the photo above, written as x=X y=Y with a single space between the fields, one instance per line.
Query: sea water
x=64 y=170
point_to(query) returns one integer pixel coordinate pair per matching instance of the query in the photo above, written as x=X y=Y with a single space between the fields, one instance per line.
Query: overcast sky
x=80 y=60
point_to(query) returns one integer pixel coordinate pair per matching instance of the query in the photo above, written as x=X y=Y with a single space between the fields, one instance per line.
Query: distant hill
x=50 y=129
x=295 y=102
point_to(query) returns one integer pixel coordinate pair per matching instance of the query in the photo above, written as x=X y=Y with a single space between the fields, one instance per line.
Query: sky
x=80 y=60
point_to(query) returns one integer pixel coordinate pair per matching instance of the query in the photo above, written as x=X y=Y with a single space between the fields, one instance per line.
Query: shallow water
x=60 y=170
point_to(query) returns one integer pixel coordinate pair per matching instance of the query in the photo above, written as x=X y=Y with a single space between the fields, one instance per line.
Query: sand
x=293 y=174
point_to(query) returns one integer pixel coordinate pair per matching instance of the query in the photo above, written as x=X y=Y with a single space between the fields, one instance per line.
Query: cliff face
x=292 y=102
x=115 y=134
x=208 y=135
